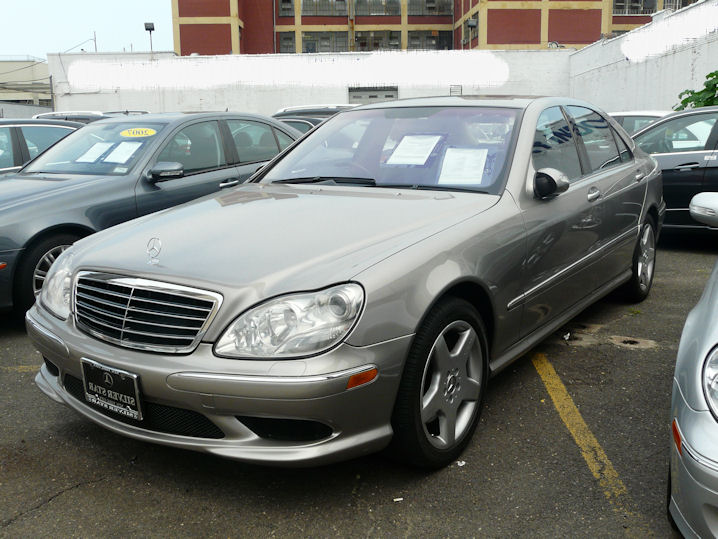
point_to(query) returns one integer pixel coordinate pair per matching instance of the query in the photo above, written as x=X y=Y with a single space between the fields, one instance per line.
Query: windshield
x=420 y=147
x=107 y=149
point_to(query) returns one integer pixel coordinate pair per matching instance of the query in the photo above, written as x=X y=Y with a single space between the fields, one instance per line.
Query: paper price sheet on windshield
x=463 y=166
x=413 y=150
x=120 y=155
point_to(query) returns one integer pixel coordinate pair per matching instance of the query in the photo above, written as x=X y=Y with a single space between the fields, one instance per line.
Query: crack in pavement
x=8 y=522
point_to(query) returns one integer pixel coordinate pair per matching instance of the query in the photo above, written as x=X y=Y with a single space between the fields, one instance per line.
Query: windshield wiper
x=422 y=187
x=330 y=180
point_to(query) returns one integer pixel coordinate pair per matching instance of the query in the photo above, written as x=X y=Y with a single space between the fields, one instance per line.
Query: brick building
x=295 y=26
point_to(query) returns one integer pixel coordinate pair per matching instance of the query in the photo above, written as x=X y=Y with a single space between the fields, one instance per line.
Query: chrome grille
x=143 y=314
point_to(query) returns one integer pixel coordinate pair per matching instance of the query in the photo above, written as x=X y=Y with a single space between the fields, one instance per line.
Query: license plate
x=111 y=389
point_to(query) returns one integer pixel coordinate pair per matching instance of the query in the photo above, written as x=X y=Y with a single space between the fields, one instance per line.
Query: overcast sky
x=36 y=27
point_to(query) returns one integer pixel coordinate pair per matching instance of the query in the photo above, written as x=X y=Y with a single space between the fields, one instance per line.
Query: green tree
x=700 y=98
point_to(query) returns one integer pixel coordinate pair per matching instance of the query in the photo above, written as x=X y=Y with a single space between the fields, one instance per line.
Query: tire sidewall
x=410 y=439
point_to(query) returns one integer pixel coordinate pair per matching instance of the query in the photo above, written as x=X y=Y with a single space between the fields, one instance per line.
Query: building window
x=286 y=42
x=324 y=8
x=634 y=7
x=471 y=28
x=677 y=4
x=364 y=95
x=325 y=42
x=377 y=40
x=430 y=40
x=430 y=7
x=377 y=7
x=286 y=8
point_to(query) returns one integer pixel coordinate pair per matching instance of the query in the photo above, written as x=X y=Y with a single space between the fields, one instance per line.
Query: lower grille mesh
x=157 y=417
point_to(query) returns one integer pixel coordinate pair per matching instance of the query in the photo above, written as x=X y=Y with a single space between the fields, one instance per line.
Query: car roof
x=652 y=113
x=676 y=114
x=179 y=117
x=496 y=101
x=40 y=121
x=312 y=110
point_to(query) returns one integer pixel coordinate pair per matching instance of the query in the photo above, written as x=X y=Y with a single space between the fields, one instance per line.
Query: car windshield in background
x=100 y=148
x=419 y=147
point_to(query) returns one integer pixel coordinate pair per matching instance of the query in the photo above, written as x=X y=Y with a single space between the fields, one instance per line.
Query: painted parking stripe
x=592 y=452
x=22 y=368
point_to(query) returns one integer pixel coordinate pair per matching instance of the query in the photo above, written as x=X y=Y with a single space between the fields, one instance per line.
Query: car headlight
x=710 y=381
x=294 y=325
x=56 y=293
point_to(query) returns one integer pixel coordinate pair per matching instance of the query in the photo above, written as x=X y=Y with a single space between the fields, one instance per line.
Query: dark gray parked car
x=361 y=290
x=22 y=140
x=117 y=169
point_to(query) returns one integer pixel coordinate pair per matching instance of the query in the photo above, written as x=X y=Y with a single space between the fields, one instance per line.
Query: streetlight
x=150 y=27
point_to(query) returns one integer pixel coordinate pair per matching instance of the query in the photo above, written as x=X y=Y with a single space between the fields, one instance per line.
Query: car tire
x=34 y=266
x=442 y=387
x=643 y=264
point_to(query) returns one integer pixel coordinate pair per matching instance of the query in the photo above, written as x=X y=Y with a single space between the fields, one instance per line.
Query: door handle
x=687 y=166
x=229 y=183
x=593 y=194
x=639 y=176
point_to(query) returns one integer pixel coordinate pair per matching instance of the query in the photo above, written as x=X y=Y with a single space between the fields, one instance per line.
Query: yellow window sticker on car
x=138 y=132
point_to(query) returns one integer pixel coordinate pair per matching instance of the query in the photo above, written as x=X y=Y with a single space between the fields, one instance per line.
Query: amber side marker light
x=677 y=438
x=362 y=378
x=3 y=265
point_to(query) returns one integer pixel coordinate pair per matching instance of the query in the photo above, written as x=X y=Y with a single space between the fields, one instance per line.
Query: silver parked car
x=693 y=478
x=359 y=292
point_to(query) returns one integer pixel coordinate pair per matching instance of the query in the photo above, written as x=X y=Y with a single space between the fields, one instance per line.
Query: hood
x=16 y=189
x=261 y=240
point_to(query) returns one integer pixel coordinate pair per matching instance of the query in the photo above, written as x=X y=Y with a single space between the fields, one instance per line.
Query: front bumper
x=290 y=412
x=694 y=474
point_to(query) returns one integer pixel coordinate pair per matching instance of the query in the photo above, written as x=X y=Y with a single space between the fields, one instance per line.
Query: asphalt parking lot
x=573 y=442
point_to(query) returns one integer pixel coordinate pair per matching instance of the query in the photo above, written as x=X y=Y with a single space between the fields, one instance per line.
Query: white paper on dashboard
x=122 y=153
x=413 y=150
x=463 y=166
x=91 y=155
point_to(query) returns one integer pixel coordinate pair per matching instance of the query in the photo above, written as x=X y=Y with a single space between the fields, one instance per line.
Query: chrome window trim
x=151 y=285
x=547 y=282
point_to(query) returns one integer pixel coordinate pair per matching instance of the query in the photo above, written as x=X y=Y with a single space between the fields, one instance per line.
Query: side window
x=40 y=137
x=254 y=141
x=623 y=150
x=554 y=146
x=597 y=138
x=685 y=134
x=284 y=139
x=7 y=159
x=198 y=147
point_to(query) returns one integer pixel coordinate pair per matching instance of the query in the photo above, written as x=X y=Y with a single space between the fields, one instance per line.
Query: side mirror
x=704 y=208
x=549 y=182
x=164 y=170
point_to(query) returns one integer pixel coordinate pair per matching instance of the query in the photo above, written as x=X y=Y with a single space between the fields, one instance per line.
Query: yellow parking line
x=592 y=452
x=22 y=368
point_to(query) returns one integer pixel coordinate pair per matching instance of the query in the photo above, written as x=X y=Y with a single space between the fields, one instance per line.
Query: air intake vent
x=143 y=314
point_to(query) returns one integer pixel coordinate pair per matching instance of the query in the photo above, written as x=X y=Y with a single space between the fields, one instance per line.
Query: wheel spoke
x=431 y=403
x=441 y=355
x=470 y=390
x=447 y=426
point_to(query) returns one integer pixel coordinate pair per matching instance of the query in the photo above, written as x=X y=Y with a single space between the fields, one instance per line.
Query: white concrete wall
x=648 y=67
x=265 y=83
x=644 y=69
x=14 y=110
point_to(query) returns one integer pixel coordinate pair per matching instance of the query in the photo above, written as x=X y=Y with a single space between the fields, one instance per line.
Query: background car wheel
x=34 y=267
x=442 y=388
x=644 y=263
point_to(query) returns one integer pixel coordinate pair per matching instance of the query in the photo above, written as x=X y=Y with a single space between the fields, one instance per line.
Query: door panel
x=200 y=149
x=683 y=147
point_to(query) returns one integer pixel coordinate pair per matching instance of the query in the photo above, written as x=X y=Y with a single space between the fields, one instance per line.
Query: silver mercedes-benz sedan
x=693 y=477
x=360 y=290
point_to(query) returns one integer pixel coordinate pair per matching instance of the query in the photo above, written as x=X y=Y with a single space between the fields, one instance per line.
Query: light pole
x=150 y=27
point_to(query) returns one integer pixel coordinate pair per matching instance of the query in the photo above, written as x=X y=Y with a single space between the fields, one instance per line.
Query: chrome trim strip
x=532 y=291
x=683 y=153
x=243 y=378
x=147 y=285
